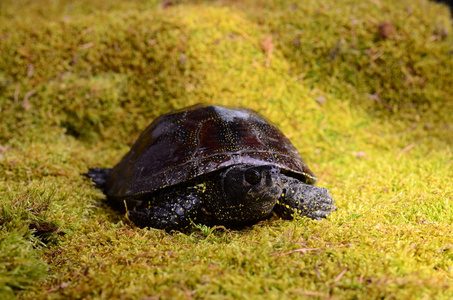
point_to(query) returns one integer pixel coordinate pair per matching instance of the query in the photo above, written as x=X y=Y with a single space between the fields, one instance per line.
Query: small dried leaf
x=386 y=30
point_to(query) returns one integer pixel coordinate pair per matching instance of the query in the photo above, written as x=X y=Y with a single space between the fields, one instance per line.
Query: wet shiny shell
x=197 y=140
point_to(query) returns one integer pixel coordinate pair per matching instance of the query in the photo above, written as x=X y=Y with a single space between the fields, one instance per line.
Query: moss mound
x=362 y=88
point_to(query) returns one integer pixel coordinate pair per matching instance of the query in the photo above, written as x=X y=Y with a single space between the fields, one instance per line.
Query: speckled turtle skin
x=213 y=165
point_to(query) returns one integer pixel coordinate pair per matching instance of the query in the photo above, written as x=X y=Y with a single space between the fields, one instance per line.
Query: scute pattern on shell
x=194 y=141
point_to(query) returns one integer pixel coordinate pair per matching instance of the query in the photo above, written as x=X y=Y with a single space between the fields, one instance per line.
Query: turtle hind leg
x=171 y=210
x=99 y=176
x=300 y=199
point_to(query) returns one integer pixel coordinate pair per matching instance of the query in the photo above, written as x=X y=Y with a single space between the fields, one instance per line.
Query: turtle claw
x=300 y=199
x=321 y=214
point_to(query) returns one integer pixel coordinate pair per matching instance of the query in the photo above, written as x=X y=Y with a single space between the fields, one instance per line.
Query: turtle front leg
x=170 y=211
x=302 y=199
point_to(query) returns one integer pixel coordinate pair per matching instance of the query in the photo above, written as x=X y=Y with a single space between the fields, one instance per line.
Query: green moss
x=20 y=263
x=369 y=112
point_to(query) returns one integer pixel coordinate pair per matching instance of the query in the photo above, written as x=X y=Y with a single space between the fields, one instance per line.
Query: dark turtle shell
x=197 y=140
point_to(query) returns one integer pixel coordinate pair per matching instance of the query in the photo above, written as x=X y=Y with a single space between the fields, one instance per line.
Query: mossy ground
x=369 y=110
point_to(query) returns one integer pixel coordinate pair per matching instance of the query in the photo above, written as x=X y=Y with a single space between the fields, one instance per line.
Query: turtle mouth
x=246 y=213
x=266 y=207
x=267 y=194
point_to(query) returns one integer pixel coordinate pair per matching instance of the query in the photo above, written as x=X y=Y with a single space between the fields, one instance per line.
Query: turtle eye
x=252 y=176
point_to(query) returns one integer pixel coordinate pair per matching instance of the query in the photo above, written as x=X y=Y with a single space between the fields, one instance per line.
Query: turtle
x=212 y=165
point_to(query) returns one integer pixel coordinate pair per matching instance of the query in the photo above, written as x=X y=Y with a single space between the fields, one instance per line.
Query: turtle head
x=249 y=193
